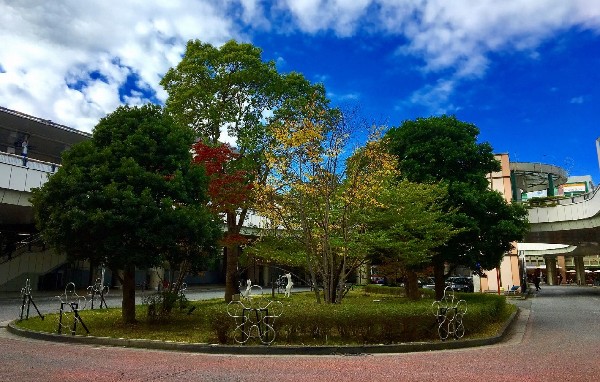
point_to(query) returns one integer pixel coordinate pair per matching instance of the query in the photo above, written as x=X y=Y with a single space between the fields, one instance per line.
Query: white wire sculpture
x=28 y=300
x=98 y=289
x=289 y=285
x=248 y=289
x=254 y=316
x=70 y=305
x=449 y=315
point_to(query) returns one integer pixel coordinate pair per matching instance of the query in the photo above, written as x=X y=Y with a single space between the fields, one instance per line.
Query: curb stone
x=266 y=350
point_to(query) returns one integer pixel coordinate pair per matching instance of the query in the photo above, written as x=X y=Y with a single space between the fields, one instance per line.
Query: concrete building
x=30 y=151
x=564 y=213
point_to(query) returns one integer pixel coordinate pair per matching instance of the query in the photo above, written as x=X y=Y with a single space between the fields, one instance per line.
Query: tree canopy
x=444 y=149
x=229 y=92
x=329 y=210
x=405 y=228
x=129 y=197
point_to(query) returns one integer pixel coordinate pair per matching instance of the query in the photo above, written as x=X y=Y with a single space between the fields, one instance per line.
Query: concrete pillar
x=516 y=193
x=266 y=275
x=550 y=270
x=580 y=270
x=550 y=185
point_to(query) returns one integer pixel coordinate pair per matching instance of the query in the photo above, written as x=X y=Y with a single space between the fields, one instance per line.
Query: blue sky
x=525 y=72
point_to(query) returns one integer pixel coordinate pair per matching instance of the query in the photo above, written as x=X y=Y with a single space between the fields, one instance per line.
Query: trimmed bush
x=362 y=318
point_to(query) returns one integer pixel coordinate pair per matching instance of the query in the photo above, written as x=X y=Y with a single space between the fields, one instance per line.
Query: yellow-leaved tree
x=314 y=195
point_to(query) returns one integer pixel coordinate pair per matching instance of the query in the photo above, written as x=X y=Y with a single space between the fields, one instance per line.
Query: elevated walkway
x=16 y=183
x=573 y=221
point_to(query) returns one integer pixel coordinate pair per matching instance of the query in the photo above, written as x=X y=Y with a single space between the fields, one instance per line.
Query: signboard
x=574 y=187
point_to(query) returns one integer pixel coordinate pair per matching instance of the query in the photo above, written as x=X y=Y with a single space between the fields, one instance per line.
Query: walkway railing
x=34 y=164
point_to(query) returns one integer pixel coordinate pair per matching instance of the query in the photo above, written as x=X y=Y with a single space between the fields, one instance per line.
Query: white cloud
x=353 y=96
x=577 y=100
x=435 y=98
x=452 y=38
x=49 y=48
x=341 y=16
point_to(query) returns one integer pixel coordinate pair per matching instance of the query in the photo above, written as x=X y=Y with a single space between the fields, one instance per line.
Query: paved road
x=555 y=339
x=49 y=302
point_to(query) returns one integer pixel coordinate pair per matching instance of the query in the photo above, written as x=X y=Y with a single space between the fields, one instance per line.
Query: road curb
x=266 y=350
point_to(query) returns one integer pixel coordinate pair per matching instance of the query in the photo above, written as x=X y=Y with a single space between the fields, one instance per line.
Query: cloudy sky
x=527 y=73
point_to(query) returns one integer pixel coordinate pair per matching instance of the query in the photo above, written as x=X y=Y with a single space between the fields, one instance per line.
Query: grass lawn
x=362 y=318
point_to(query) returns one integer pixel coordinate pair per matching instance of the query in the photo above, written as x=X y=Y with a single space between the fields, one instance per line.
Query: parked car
x=428 y=283
x=461 y=283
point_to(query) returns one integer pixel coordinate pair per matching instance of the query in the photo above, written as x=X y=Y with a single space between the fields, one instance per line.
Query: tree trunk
x=231 y=273
x=412 y=286
x=128 y=303
x=233 y=253
x=438 y=274
x=313 y=279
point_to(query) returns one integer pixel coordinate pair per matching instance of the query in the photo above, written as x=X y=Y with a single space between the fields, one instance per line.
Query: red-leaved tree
x=230 y=192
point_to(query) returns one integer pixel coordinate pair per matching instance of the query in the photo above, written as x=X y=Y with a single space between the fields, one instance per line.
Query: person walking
x=559 y=278
x=536 y=280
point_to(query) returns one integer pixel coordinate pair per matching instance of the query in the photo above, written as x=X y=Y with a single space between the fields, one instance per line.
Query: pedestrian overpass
x=22 y=253
x=571 y=222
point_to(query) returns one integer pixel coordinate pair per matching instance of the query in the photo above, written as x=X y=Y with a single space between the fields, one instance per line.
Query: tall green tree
x=406 y=227
x=230 y=91
x=444 y=149
x=129 y=197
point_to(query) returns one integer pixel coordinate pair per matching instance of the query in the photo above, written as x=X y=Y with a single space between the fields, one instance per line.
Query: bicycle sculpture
x=449 y=315
x=27 y=299
x=98 y=289
x=254 y=316
x=70 y=305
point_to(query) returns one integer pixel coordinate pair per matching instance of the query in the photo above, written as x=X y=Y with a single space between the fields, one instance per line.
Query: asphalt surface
x=555 y=338
x=49 y=302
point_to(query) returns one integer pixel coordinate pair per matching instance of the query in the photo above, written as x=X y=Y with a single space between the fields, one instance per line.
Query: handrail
x=34 y=164
x=562 y=200
x=23 y=248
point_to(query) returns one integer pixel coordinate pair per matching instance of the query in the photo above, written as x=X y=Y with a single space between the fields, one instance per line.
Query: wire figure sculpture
x=289 y=285
x=254 y=316
x=27 y=299
x=70 y=305
x=98 y=289
x=449 y=315
x=248 y=289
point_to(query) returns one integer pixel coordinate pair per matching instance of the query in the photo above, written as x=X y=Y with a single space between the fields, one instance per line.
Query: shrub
x=362 y=318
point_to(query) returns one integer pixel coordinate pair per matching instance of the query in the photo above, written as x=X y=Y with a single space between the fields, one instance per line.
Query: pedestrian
x=536 y=280
x=559 y=278
x=25 y=146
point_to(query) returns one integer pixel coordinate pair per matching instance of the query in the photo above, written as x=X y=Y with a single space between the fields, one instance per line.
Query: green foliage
x=444 y=149
x=129 y=197
x=363 y=318
x=407 y=225
x=548 y=201
x=230 y=89
x=160 y=305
